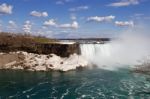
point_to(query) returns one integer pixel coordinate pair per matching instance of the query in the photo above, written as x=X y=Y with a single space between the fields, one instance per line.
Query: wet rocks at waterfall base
x=39 y=62
x=143 y=68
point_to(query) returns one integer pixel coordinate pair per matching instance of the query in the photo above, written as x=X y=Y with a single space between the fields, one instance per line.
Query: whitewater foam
x=116 y=54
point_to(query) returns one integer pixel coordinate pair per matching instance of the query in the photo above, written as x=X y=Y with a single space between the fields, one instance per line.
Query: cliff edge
x=36 y=44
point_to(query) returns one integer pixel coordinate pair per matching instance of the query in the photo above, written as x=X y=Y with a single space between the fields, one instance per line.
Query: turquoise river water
x=80 y=84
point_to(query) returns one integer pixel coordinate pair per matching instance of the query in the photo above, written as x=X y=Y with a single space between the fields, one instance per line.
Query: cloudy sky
x=73 y=18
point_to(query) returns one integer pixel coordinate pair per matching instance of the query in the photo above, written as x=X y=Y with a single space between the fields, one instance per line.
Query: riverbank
x=39 y=62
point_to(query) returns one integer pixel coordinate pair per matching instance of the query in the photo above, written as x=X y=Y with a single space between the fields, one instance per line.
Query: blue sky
x=73 y=18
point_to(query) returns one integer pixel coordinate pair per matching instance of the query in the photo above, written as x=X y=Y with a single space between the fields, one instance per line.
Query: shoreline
x=39 y=62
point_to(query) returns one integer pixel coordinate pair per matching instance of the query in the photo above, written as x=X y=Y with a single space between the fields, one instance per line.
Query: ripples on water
x=79 y=84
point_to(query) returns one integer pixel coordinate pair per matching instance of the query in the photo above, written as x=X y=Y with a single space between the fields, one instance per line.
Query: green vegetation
x=9 y=38
x=44 y=40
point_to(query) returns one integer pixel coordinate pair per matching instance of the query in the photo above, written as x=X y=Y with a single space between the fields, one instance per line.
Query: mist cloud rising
x=127 y=50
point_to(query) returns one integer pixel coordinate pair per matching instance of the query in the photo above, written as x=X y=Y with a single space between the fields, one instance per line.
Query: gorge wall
x=63 y=50
x=37 y=45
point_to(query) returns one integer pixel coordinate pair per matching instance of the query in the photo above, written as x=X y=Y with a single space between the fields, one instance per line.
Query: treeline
x=25 y=42
x=19 y=38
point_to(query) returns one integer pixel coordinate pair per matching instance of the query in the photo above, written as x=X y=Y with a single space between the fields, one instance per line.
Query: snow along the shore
x=37 y=62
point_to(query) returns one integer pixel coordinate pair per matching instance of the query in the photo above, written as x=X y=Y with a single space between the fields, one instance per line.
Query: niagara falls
x=74 y=49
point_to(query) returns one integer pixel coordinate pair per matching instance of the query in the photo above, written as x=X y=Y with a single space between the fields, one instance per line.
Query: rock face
x=36 y=62
x=8 y=59
x=143 y=68
x=37 y=45
x=38 y=53
x=63 y=50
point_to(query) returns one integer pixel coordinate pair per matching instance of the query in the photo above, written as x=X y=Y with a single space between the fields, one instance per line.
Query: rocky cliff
x=38 y=53
x=37 y=45
x=63 y=50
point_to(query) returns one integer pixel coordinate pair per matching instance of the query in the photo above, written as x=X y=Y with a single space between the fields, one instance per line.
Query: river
x=79 y=84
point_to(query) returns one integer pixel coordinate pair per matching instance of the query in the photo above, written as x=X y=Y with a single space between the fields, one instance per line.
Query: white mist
x=127 y=50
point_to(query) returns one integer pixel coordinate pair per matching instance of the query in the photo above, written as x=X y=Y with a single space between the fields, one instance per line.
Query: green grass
x=44 y=40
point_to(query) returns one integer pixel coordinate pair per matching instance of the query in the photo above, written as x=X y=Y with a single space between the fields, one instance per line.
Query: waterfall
x=130 y=48
x=113 y=55
x=105 y=56
x=93 y=51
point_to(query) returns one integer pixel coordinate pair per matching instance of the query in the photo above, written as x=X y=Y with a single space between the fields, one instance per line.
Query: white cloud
x=12 y=25
x=64 y=31
x=50 y=22
x=45 y=14
x=73 y=25
x=73 y=17
x=79 y=8
x=39 y=14
x=61 y=2
x=44 y=31
x=27 y=26
x=101 y=19
x=124 y=23
x=5 y=9
x=124 y=3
